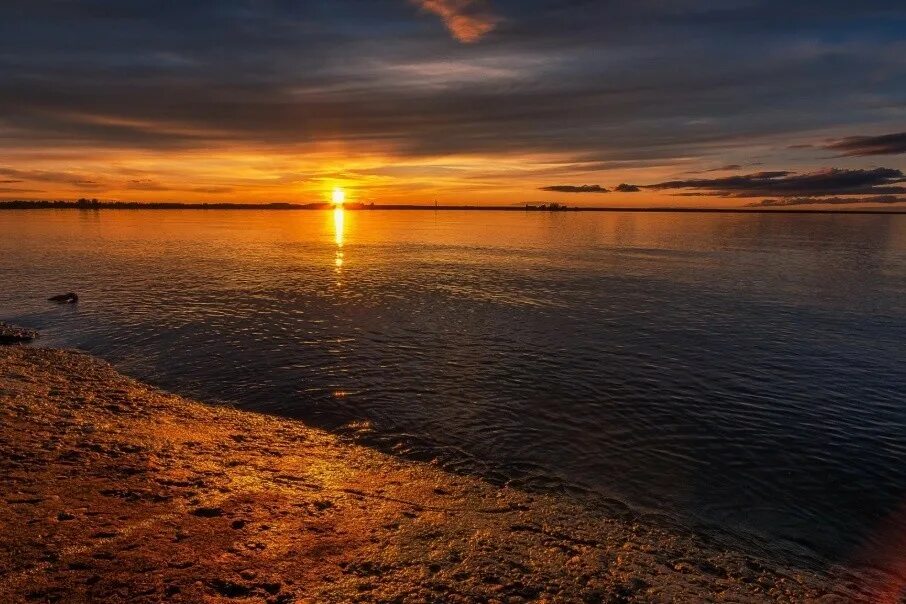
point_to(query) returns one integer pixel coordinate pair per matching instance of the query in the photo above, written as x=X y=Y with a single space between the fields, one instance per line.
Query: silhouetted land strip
x=115 y=491
x=134 y=205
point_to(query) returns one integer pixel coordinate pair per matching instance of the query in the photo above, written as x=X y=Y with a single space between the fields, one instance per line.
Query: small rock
x=272 y=588
x=205 y=512
x=230 y=589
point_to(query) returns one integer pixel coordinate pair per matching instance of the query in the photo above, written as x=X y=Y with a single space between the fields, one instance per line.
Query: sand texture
x=114 y=491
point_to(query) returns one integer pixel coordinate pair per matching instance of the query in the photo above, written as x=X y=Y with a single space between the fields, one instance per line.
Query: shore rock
x=10 y=334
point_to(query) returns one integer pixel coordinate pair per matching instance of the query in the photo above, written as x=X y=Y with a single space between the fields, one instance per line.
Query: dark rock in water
x=10 y=334
x=70 y=298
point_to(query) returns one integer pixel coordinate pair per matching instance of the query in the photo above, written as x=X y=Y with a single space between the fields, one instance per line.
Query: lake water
x=743 y=373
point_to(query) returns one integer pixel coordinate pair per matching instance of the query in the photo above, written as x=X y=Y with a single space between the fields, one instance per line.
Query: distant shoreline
x=129 y=205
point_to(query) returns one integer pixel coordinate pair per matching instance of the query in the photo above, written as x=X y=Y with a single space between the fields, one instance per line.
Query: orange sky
x=274 y=175
x=455 y=101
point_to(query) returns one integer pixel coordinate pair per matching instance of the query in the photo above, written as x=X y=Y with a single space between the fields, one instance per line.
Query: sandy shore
x=113 y=491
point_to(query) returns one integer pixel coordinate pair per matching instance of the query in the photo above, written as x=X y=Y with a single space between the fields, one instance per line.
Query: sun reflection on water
x=338 y=224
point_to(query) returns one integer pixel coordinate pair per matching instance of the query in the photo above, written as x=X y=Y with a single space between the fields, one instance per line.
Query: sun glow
x=339 y=196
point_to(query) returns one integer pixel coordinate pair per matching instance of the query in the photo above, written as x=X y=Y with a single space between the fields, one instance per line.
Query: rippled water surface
x=741 y=371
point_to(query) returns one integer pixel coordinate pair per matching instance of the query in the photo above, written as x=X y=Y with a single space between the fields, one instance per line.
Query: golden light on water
x=338 y=225
x=338 y=220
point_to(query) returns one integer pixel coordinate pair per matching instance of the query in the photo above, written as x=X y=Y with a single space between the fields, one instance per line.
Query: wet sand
x=113 y=491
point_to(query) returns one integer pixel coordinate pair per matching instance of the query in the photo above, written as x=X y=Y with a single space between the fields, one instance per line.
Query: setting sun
x=339 y=196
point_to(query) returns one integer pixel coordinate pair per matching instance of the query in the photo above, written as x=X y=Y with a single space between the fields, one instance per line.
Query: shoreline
x=362 y=207
x=116 y=491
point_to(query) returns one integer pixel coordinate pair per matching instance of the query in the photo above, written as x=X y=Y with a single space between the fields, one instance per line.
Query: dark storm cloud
x=589 y=78
x=805 y=201
x=576 y=189
x=788 y=184
x=626 y=188
x=886 y=144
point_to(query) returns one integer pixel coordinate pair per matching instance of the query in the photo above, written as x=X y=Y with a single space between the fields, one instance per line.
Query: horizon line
x=95 y=204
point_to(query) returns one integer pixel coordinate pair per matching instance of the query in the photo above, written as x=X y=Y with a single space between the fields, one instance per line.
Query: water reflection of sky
x=738 y=370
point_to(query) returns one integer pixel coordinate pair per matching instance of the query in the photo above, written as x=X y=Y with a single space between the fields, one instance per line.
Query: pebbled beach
x=114 y=491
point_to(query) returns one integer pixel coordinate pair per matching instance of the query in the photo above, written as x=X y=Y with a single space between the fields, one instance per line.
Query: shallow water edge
x=118 y=490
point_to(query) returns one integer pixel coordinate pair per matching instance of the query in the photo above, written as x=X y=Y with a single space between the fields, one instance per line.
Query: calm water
x=744 y=372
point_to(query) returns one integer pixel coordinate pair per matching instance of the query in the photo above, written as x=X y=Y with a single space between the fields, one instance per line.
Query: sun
x=339 y=196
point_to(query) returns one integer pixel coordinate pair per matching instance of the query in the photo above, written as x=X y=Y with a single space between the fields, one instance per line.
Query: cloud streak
x=467 y=20
x=47 y=176
x=858 y=146
x=807 y=201
x=576 y=189
x=833 y=181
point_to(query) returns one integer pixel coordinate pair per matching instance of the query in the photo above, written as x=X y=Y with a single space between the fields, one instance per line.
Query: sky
x=714 y=103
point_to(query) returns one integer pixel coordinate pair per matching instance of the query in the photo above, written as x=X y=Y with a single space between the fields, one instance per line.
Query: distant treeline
x=96 y=204
x=549 y=207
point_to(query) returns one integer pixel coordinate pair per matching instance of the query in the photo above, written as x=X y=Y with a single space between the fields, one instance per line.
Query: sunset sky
x=714 y=103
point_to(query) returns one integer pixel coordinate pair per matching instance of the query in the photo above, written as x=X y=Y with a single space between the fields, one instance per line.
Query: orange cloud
x=467 y=20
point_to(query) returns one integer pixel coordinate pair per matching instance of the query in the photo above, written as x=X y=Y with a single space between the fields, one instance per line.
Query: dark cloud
x=725 y=168
x=803 y=201
x=625 y=188
x=833 y=181
x=576 y=189
x=885 y=144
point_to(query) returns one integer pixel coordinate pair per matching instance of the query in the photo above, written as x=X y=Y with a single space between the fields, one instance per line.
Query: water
x=742 y=372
